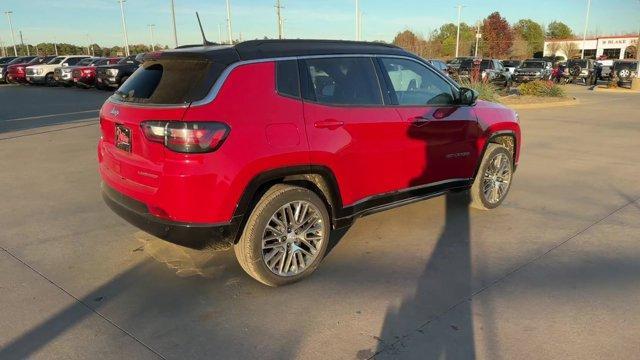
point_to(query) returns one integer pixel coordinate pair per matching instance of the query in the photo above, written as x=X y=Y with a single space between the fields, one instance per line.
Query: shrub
x=485 y=90
x=541 y=88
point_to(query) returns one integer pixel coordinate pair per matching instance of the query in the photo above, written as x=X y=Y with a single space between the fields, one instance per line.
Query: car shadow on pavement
x=147 y=291
x=445 y=279
x=446 y=274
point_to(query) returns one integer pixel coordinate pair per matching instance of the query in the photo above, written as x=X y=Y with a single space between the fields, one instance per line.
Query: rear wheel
x=285 y=237
x=493 y=180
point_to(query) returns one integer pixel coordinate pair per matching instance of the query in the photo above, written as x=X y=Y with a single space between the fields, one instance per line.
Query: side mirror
x=65 y=64
x=468 y=96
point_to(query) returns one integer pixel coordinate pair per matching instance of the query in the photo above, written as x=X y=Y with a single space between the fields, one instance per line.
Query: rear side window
x=287 y=78
x=342 y=81
x=168 y=81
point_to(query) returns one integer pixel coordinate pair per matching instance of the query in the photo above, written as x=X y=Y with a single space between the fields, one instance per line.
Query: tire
x=479 y=199
x=99 y=86
x=122 y=81
x=49 y=81
x=258 y=262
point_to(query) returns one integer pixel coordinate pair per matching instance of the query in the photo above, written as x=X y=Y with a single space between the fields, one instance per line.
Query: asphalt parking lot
x=553 y=273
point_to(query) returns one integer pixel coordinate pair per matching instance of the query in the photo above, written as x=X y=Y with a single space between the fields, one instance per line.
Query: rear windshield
x=170 y=81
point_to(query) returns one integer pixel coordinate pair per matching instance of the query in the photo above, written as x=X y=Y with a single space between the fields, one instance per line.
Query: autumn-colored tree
x=416 y=44
x=497 y=36
x=570 y=49
x=553 y=48
x=520 y=48
x=559 y=30
x=532 y=33
x=408 y=41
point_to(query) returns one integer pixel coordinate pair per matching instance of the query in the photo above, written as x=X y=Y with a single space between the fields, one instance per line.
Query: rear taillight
x=186 y=137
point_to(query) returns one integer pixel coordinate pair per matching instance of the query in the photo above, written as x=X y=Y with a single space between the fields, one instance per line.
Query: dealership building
x=613 y=47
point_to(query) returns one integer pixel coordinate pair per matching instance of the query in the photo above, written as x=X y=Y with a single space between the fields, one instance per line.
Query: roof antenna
x=205 y=42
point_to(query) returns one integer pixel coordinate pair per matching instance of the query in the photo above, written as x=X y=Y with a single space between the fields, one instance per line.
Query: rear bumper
x=191 y=235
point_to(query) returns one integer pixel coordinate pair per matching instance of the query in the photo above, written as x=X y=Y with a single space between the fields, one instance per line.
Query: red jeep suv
x=267 y=146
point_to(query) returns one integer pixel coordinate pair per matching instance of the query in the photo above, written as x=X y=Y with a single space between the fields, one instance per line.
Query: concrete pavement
x=553 y=273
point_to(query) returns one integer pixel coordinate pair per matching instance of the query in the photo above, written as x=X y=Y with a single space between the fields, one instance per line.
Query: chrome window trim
x=217 y=86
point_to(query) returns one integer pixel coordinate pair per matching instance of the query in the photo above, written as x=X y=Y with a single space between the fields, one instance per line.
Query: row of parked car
x=504 y=73
x=68 y=70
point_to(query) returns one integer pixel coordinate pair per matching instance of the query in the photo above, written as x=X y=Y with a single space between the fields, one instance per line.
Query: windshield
x=55 y=61
x=532 y=65
x=170 y=81
x=485 y=64
x=625 y=65
x=19 y=60
x=35 y=61
x=6 y=60
x=511 y=63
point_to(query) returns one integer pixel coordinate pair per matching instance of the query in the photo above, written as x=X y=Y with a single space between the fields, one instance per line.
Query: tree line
x=70 y=49
x=500 y=40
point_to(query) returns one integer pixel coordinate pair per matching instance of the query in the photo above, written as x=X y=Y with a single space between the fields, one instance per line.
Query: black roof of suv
x=266 y=49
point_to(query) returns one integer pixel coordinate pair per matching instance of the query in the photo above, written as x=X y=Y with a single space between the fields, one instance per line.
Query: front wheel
x=49 y=80
x=285 y=237
x=493 y=181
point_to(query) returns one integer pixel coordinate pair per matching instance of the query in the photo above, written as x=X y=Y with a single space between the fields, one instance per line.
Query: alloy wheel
x=292 y=237
x=496 y=179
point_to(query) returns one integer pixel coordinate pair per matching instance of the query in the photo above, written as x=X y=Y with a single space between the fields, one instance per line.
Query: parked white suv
x=44 y=73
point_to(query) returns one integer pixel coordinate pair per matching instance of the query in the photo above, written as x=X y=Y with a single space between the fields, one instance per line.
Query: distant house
x=613 y=47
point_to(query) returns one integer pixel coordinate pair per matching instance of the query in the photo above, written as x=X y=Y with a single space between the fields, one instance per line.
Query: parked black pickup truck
x=113 y=76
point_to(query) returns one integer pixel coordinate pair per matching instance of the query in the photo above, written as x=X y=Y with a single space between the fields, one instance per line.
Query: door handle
x=330 y=124
x=420 y=120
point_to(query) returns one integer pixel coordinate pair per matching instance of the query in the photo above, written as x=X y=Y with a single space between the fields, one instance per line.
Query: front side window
x=342 y=81
x=415 y=84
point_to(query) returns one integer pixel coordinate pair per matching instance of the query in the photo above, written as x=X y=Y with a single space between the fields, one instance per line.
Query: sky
x=99 y=21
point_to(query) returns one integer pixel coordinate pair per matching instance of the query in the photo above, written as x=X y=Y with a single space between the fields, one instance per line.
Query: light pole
x=586 y=26
x=458 y=31
x=151 y=27
x=229 y=31
x=22 y=42
x=124 y=28
x=173 y=19
x=13 y=36
x=55 y=46
x=88 y=45
x=357 y=20
x=279 y=16
x=478 y=37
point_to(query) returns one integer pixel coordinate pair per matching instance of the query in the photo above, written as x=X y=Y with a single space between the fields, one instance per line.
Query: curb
x=572 y=102
x=617 y=91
